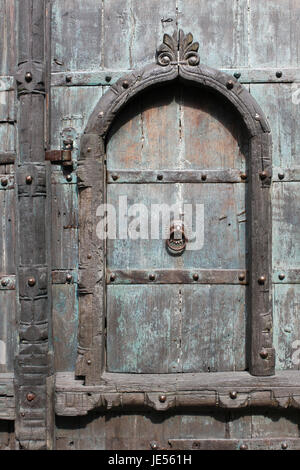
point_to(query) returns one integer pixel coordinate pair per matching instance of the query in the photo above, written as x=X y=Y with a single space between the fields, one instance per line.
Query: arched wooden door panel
x=186 y=145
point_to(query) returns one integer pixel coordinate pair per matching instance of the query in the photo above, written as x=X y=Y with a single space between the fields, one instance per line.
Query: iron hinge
x=63 y=156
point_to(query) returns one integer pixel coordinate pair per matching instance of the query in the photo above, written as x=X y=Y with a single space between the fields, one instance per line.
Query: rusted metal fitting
x=257 y=117
x=4 y=282
x=278 y=74
x=69 y=178
x=237 y=74
x=281 y=276
x=152 y=277
x=29 y=179
x=4 y=182
x=160 y=177
x=196 y=277
x=125 y=84
x=262 y=280
x=162 y=398
x=69 y=278
x=30 y=396
x=112 y=277
x=263 y=175
x=233 y=395
x=284 y=446
x=31 y=282
x=154 y=445
x=230 y=84
x=243 y=447
x=243 y=176
x=28 y=77
x=204 y=177
x=115 y=177
x=264 y=354
x=68 y=78
x=242 y=277
x=281 y=176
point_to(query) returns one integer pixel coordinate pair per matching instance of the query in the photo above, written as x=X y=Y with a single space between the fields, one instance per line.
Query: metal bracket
x=63 y=156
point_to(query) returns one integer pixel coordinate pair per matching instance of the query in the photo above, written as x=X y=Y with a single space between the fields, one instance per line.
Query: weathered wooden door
x=149 y=209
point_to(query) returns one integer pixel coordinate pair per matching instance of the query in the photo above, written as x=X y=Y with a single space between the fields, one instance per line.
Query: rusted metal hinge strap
x=63 y=156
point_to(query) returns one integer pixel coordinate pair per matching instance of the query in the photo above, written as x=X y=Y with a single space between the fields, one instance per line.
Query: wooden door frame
x=177 y=58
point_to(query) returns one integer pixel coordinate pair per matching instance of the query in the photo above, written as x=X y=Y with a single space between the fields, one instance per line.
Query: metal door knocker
x=176 y=243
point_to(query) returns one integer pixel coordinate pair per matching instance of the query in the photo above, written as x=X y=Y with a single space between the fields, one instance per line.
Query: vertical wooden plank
x=65 y=323
x=276 y=99
x=7 y=40
x=274 y=33
x=220 y=27
x=76 y=35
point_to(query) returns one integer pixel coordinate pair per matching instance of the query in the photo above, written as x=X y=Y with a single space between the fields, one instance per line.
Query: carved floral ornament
x=178 y=49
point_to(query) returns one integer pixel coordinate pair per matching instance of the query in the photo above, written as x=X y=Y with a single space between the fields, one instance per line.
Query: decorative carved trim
x=178 y=49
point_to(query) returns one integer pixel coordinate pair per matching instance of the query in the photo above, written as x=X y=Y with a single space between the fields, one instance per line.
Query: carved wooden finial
x=178 y=49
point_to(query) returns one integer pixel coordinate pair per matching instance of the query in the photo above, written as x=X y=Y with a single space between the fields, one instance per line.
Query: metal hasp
x=33 y=361
x=63 y=156
x=176 y=243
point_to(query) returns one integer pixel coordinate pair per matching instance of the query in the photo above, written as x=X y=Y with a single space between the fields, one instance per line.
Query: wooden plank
x=65 y=322
x=143 y=333
x=7 y=232
x=279 y=23
x=281 y=109
x=64 y=226
x=171 y=276
x=223 y=25
x=212 y=340
x=285 y=233
x=7 y=41
x=7 y=330
x=235 y=444
x=175 y=176
x=76 y=35
x=286 y=326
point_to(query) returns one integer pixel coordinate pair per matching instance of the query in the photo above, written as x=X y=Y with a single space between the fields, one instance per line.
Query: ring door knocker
x=176 y=243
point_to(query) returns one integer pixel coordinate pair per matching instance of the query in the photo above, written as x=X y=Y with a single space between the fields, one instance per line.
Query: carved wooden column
x=33 y=366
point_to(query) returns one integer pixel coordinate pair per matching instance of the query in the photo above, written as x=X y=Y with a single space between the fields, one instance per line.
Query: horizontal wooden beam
x=178 y=276
x=7 y=158
x=182 y=176
x=161 y=392
x=234 y=444
x=286 y=276
x=7 y=397
x=109 y=77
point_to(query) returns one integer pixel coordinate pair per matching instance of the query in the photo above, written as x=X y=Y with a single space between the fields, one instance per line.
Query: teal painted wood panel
x=143 y=329
x=76 y=35
x=279 y=103
x=7 y=330
x=286 y=301
x=223 y=226
x=177 y=127
x=286 y=219
x=65 y=323
x=221 y=29
x=274 y=33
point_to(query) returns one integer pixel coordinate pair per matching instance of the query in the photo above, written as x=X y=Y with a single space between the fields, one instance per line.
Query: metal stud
x=243 y=447
x=233 y=395
x=28 y=77
x=4 y=282
x=281 y=176
x=4 y=181
x=69 y=278
x=69 y=178
x=89 y=256
x=30 y=396
x=243 y=176
x=262 y=280
x=31 y=282
x=264 y=354
x=230 y=84
x=28 y=179
x=101 y=114
x=257 y=117
x=196 y=277
x=108 y=78
x=160 y=177
x=237 y=74
x=278 y=74
x=89 y=362
x=152 y=277
x=115 y=177
x=284 y=446
x=281 y=276
x=112 y=277
x=162 y=398
x=89 y=149
x=263 y=175
x=204 y=177
x=68 y=78
x=154 y=445
x=125 y=84
x=242 y=277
